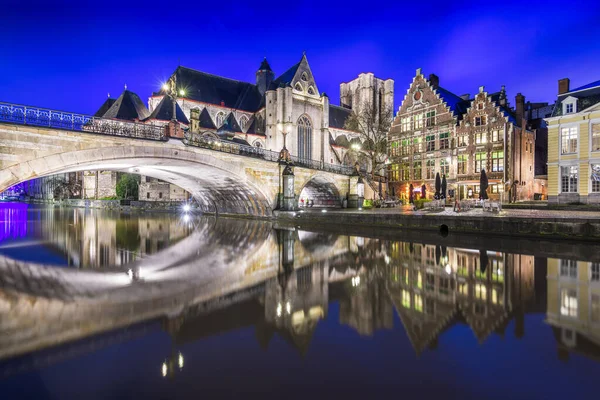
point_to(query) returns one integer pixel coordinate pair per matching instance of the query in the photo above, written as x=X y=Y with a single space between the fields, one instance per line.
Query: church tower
x=264 y=76
x=368 y=90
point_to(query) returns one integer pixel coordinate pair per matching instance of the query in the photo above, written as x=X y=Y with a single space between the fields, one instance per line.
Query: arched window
x=304 y=138
x=298 y=87
x=219 y=119
x=243 y=122
x=311 y=91
x=304 y=76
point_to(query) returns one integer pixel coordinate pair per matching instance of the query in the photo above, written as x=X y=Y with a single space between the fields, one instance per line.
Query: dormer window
x=569 y=105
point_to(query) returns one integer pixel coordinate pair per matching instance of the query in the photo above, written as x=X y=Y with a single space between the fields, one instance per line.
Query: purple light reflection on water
x=13 y=220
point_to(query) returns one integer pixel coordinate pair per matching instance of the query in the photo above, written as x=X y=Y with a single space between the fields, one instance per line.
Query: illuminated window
x=568 y=268
x=444 y=166
x=405 y=169
x=219 y=119
x=405 y=124
x=568 y=302
x=418 y=119
x=417 y=147
x=419 y=280
x=430 y=142
x=430 y=118
x=480 y=137
x=595 y=177
x=568 y=140
x=418 y=303
x=595 y=272
x=595 y=137
x=462 y=140
x=461 y=164
x=395 y=173
x=497 y=161
x=463 y=289
x=480 y=291
x=404 y=147
x=595 y=308
x=406 y=276
x=417 y=169
x=569 y=177
x=480 y=161
x=405 y=299
x=496 y=136
x=430 y=169
x=243 y=122
x=479 y=121
x=444 y=140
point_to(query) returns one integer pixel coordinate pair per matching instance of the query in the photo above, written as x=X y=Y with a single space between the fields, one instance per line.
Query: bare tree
x=372 y=124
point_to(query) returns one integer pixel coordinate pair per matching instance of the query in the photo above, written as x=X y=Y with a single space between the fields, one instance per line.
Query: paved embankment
x=582 y=225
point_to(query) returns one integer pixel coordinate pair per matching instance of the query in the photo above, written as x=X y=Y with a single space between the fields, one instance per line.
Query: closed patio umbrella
x=438 y=186
x=444 y=186
x=483 y=185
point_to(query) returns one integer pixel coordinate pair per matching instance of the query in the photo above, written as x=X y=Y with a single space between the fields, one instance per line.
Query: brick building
x=458 y=136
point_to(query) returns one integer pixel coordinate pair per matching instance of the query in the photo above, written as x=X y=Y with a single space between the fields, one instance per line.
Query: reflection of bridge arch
x=322 y=191
x=220 y=185
x=317 y=242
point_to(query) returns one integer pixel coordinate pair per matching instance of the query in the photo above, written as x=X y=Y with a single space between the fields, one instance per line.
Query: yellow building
x=574 y=145
x=574 y=304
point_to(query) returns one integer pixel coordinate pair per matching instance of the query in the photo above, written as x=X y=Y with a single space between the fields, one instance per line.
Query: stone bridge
x=224 y=177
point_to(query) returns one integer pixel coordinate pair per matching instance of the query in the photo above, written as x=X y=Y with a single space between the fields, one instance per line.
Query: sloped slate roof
x=585 y=98
x=213 y=89
x=457 y=105
x=105 y=107
x=128 y=106
x=254 y=128
x=510 y=115
x=164 y=111
x=230 y=124
x=338 y=116
x=206 y=121
x=588 y=86
x=285 y=79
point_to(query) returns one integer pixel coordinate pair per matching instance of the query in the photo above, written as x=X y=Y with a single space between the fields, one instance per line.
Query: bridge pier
x=289 y=196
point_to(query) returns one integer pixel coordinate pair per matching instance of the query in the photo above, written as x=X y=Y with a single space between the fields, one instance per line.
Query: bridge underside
x=321 y=192
x=212 y=188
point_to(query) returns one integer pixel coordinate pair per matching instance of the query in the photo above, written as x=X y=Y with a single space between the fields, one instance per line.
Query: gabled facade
x=574 y=145
x=436 y=131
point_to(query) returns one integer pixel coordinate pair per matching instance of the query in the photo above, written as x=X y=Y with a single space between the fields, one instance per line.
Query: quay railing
x=42 y=117
x=198 y=140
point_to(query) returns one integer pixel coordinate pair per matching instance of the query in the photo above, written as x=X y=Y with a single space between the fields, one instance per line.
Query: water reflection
x=87 y=238
x=283 y=282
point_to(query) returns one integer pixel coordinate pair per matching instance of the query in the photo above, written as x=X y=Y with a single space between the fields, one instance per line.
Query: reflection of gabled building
x=573 y=307
x=433 y=287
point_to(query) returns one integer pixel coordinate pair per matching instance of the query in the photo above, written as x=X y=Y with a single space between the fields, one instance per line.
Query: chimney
x=520 y=109
x=434 y=81
x=563 y=85
x=502 y=98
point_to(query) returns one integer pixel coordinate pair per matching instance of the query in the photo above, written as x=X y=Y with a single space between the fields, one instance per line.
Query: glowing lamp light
x=280 y=127
x=324 y=211
x=164 y=369
x=448 y=159
x=448 y=269
x=165 y=86
x=130 y=273
x=279 y=309
x=186 y=218
x=181 y=92
x=288 y=308
x=180 y=361
x=186 y=208
x=355 y=281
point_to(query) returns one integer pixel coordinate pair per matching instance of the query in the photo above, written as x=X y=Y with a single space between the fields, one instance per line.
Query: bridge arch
x=322 y=190
x=220 y=185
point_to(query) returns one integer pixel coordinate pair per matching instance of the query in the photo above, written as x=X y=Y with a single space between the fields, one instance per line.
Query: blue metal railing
x=36 y=116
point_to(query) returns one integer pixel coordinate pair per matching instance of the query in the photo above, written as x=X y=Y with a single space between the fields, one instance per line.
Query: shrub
x=420 y=203
x=367 y=203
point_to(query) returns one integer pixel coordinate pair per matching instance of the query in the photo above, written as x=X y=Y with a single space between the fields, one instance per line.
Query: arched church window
x=304 y=76
x=311 y=90
x=298 y=87
x=220 y=119
x=243 y=122
x=304 y=138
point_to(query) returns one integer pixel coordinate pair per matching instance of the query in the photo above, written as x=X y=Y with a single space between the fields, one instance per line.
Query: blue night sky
x=70 y=54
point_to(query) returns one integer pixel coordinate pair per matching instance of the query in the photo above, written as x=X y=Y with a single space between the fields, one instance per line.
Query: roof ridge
x=216 y=76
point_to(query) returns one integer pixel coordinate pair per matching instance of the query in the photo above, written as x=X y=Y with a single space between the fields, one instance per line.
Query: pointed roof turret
x=264 y=65
x=164 y=111
x=128 y=106
x=105 y=107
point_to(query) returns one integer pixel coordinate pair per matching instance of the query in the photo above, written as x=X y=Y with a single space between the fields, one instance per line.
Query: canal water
x=169 y=306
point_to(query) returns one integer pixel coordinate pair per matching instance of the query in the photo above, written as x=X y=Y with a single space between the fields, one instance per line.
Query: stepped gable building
x=260 y=113
x=574 y=145
x=458 y=136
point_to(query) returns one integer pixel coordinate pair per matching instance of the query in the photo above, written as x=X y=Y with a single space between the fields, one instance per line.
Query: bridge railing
x=36 y=116
x=206 y=142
